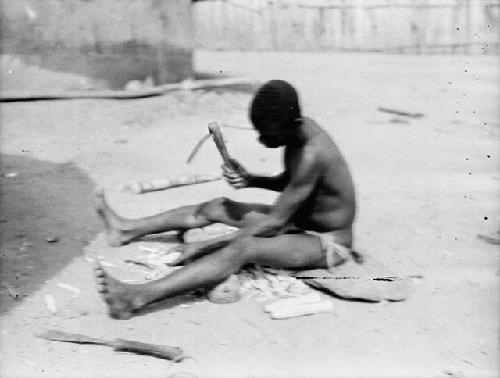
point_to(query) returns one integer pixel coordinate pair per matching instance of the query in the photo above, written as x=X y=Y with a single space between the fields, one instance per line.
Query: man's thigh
x=288 y=251
x=233 y=213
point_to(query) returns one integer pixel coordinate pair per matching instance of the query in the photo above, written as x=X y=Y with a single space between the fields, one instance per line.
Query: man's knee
x=240 y=251
x=244 y=248
x=253 y=217
x=214 y=210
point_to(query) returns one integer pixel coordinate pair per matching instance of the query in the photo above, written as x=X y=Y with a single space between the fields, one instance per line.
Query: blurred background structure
x=120 y=41
x=115 y=41
x=390 y=26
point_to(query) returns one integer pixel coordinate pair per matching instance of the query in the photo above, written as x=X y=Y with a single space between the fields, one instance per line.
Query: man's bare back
x=331 y=205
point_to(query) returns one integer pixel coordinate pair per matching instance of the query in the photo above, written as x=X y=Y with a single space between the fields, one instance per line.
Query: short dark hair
x=276 y=101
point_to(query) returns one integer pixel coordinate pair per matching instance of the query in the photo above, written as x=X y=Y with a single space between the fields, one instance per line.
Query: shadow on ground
x=46 y=219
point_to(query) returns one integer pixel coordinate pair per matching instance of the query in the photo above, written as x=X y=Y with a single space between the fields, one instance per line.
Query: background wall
x=114 y=41
x=117 y=41
x=394 y=26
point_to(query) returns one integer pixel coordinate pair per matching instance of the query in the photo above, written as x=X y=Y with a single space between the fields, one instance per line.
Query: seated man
x=309 y=226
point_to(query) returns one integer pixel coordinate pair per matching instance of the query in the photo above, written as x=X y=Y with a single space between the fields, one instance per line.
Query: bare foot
x=116 y=232
x=122 y=299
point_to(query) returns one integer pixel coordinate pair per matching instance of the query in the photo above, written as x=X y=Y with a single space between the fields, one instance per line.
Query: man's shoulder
x=322 y=143
x=325 y=152
x=317 y=132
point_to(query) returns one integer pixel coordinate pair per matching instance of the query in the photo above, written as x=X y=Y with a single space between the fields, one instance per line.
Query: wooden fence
x=393 y=26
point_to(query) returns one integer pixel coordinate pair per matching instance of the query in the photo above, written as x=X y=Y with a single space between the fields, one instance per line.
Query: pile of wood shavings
x=259 y=283
x=264 y=284
x=156 y=260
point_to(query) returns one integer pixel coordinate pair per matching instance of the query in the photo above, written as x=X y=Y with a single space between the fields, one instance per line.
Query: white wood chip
x=50 y=302
x=66 y=286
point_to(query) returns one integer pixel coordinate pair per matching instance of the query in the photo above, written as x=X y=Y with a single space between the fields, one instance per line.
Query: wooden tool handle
x=160 y=351
x=214 y=129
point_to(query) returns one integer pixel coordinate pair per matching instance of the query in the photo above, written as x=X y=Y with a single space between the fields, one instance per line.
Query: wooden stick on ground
x=400 y=112
x=163 y=184
x=161 y=351
x=13 y=96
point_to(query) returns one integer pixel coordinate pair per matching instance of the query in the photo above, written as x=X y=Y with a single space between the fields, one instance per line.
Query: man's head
x=275 y=113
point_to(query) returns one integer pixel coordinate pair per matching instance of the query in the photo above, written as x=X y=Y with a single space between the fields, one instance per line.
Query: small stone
x=452 y=373
x=52 y=239
x=226 y=292
x=133 y=85
x=182 y=374
x=398 y=120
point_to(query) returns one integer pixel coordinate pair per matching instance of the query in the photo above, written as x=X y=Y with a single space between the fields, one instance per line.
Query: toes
x=100 y=278
x=99 y=272
x=98 y=269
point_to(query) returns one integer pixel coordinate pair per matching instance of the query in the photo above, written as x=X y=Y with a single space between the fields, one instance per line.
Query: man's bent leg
x=298 y=251
x=288 y=251
x=122 y=230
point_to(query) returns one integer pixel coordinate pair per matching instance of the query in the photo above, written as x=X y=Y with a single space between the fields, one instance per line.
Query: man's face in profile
x=274 y=135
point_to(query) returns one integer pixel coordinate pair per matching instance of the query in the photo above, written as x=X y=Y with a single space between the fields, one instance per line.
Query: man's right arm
x=238 y=177
x=276 y=183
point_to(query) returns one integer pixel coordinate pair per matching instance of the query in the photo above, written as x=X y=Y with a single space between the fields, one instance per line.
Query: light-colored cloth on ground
x=335 y=253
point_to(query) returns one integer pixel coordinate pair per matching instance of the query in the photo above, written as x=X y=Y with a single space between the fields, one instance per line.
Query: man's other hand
x=189 y=251
x=237 y=176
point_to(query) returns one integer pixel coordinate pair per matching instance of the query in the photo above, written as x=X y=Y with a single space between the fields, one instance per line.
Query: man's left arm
x=303 y=178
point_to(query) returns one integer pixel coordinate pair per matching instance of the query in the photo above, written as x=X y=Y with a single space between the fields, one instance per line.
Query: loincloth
x=335 y=253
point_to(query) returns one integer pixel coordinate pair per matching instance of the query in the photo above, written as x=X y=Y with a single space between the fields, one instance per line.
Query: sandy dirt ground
x=426 y=188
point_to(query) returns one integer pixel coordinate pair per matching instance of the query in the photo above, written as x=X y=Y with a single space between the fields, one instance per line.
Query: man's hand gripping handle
x=214 y=129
